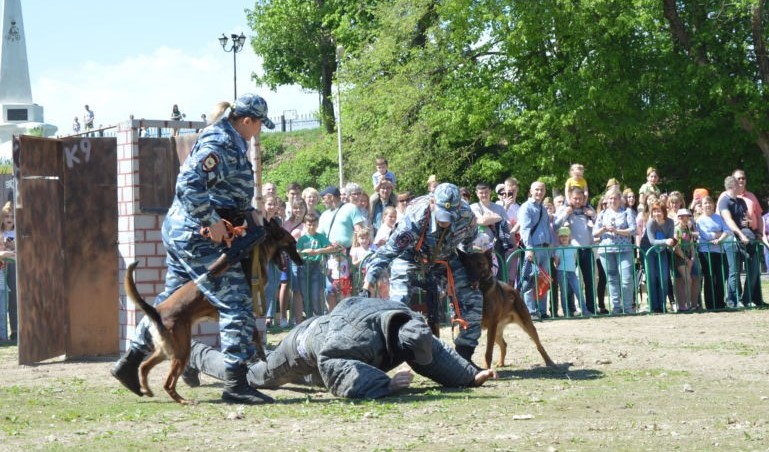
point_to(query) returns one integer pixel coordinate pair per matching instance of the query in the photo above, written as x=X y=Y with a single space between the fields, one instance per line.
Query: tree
x=476 y=90
x=480 y=89
x=724 y=47
x=297 y=40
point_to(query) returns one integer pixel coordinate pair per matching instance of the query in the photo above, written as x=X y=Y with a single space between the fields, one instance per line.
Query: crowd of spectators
x=8 y=311
x=625 y=252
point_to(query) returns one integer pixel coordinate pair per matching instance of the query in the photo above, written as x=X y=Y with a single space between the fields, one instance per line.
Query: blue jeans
x=538 y=307
x=271 y=288
x=751 y=291
x=313 y=282
x=569 y=284
x=657 y=271
x=3 y=313
x=619 y=278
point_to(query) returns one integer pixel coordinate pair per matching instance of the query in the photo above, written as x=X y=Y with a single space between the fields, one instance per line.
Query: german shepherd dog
x=502 y=305
x=174 y=318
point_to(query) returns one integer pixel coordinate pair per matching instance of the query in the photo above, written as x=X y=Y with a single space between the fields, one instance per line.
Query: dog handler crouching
x=215 y=183
x=430 y=232
x=350 y=350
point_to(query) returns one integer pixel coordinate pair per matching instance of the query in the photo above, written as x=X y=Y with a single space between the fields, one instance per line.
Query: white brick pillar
x=139 y=240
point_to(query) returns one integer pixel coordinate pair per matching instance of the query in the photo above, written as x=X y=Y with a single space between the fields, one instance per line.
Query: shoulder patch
x=210 y=162
x=404 y=239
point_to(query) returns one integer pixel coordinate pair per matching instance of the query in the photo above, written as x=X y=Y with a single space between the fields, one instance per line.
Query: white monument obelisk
x=19 y=114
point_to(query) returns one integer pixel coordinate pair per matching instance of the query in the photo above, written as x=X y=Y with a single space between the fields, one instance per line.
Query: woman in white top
x=615 y=228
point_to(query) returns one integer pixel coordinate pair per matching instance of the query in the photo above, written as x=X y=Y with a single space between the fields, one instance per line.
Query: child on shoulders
x=650 y=187
x=576 y=179
x=382 y=173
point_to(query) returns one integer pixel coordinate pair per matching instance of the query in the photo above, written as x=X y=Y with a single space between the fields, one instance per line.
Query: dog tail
x=133 y=294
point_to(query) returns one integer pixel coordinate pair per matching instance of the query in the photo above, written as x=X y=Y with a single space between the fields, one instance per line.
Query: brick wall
x=139 y=240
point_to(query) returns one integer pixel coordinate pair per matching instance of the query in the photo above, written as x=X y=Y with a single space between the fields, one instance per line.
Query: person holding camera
x=579 y=219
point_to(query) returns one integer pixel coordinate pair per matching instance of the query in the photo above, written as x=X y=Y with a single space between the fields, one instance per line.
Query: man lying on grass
x=350 y=351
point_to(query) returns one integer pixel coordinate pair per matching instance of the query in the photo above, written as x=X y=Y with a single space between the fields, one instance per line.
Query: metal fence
x=653 y=281
x=293 y=122
x=661 y=281
x=288 y=122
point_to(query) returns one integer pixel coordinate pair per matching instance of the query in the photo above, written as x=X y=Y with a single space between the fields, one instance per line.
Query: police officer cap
x=254 y=106
x=447 y=201
x=416 y=336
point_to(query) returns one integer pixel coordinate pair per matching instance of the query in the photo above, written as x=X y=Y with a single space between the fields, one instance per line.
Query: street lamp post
x=237 y=46
x=339 y=54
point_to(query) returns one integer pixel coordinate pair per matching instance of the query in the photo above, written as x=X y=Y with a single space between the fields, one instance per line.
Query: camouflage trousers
x=404 y=276
x=187 y=257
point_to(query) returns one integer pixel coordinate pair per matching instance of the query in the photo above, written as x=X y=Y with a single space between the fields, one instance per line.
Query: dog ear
x=488 y=254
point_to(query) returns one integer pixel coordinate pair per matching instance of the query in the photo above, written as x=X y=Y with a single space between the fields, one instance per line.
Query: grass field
x=664 y=382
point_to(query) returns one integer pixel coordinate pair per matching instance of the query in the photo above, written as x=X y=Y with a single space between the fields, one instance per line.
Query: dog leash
x=232 y=232
x=452 y=288
x=449 y=274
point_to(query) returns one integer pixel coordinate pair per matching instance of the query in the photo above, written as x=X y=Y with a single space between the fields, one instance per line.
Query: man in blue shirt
x=537 y=235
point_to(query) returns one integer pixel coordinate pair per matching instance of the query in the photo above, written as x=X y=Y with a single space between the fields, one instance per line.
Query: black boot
x=237 y=389
x=126 y=370
x=466 y=352
x=191 y=376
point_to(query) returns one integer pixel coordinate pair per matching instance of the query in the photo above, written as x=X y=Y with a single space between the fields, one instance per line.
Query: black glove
x=364 y=293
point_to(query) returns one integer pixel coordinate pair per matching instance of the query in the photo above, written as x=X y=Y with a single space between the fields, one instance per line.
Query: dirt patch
x=688 y=381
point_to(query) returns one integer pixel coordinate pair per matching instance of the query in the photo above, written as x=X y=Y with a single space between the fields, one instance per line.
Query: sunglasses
x=502 y=193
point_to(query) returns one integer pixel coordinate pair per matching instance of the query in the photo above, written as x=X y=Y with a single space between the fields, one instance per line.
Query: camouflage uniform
x=407 y=263
x=215 y=180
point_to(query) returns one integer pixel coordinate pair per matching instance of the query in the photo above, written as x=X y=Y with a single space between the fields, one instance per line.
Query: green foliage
x=483 y=89
x=6 y=166
x=288 y=38
x=306 y=157
x=298 y=39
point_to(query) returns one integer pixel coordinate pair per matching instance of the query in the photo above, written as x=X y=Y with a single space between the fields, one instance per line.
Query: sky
x=140 y=57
